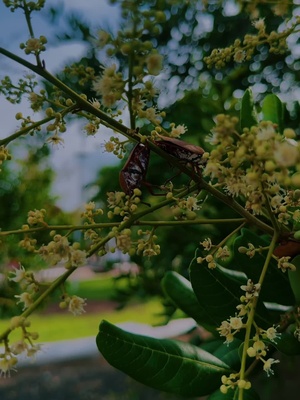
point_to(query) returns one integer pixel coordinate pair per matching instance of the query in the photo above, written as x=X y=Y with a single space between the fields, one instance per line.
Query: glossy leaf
x=287 y=344
x=180 y=291
x=294 y=278
x=166 y=365
x=248 y=115
x=219 y=290
x=272 y=110
x=276 y=287
x=229 y=353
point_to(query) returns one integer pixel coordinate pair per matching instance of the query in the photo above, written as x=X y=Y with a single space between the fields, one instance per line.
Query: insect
x=183 y=151
x=287 y=248
x=134 y=171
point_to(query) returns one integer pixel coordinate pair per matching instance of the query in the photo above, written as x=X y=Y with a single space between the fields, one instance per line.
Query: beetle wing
x=192 y=148
x=135 y=169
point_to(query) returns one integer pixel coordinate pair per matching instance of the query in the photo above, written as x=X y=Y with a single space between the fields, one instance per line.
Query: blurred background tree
x=192 y=94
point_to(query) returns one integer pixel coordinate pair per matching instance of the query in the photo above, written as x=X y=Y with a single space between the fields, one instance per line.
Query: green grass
x=100 y=288
x=64 y=325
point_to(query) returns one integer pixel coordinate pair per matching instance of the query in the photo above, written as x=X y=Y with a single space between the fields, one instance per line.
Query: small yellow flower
x=251 y=289
x=268 y=366
x=19 y=274
x=109 y=147
x=154 y=63
x=236 y=323
x=76 y=305
x=284 y=264
x=191 y=203
x=257 y=350
x=239 y=56
x=178 y=130
x=207 y=244
x=223 y=253
x=25 y=298
x=55 y=140
x=7 y=363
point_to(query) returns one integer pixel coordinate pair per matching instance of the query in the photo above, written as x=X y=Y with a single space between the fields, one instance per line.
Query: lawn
x=64 y=325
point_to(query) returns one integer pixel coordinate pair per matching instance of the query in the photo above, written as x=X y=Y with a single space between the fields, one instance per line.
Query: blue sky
x=77 y=161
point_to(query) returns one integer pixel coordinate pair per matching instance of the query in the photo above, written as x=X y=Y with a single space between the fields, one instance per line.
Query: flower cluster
x=232 y=382
x=8 y=359
x=34 y=45
x=14 y=91
x=123 y=204
x=84 y=74
x=36 y=100
x=285 y=265
x=256 y=165
x=185 y=208
x=233 y=325
x=215 y=253
x=27 y=283
x=229 y=328
x=75 y=304
x=115 y=146
x=91 y=212
x=123 y=240
x=134 y=85
x=109 y=86
x=4 y=154
x=57 y=126
x=146 y=245
x=249 y=251
x=259 y=351
x=243 y=50
x=36 y=217
x=280 y=8
x=59 y=249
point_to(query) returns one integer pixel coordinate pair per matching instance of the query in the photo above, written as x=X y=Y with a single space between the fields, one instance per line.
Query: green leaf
x=287 y=344
x=180 y=291
x=294 y=278
x=233 y=394
x=272 y=110
x=229 y=353
x=276 y=287
x=166 y=365
x=219 y=290
x=248 y=115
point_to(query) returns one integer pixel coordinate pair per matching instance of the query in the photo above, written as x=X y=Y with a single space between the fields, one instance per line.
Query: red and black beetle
x=134 y=171
x=183 y=151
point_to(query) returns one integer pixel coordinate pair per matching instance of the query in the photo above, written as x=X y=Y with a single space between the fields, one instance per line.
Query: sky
x=77 y=161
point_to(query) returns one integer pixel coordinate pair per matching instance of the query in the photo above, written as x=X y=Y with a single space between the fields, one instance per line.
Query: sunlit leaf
x=272 y=110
